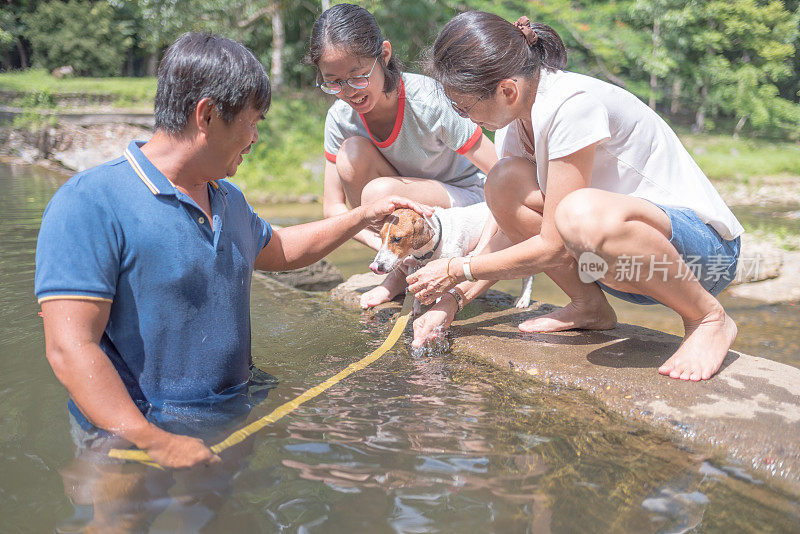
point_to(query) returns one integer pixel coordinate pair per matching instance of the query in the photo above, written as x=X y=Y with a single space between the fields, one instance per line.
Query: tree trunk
x=278 y=43
x=700 y=116
x=23 y=55
x=152 y=63
x=675 y=103
x=739 y=126
x=653 y=77
x=325 y=5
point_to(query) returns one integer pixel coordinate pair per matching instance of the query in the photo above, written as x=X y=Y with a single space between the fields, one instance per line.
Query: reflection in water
x=406 y=445
x=109 y=496
x=112 y=496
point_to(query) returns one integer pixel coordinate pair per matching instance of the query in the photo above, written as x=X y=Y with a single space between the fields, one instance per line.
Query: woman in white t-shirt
x=389 y=132
x=595 y=190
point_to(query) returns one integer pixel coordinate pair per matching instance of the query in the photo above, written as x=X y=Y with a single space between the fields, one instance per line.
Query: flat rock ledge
x=749 y=411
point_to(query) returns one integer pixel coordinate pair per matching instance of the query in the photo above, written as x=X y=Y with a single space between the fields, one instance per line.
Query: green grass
x=287 y=160
x=724 y=158
x=125 y=91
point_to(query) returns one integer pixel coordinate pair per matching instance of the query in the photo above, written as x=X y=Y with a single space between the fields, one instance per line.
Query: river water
x=406 y=445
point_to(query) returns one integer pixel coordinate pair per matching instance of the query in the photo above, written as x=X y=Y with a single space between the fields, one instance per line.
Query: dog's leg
x=524 y=299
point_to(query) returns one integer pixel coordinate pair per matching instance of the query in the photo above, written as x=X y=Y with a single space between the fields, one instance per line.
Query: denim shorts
x=711 y=258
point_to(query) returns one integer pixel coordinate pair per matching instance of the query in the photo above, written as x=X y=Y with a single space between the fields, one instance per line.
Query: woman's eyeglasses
x=464 y=112
x=356 y=82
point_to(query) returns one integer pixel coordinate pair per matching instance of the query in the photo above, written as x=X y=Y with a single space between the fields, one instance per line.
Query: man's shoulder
x=103 y=177
x=233 y=193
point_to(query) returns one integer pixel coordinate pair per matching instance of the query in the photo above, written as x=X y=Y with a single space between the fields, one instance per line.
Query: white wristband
x=467 y=271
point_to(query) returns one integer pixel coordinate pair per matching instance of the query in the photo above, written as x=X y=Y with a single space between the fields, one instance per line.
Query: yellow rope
x=284 y=409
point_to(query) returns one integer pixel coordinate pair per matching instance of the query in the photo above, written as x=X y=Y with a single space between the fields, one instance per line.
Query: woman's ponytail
x=476 y=50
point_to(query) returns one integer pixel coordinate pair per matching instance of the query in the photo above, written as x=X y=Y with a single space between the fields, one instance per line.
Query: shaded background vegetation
x=729 y=65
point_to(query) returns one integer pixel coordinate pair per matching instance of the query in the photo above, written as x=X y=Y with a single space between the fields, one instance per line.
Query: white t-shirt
x=637 y=152
x=428 y=139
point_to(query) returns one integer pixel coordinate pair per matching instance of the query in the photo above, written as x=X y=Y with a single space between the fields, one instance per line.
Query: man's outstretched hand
x=373 y=214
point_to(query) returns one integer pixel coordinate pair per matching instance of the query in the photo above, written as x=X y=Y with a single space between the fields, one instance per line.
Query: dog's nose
x=375 y=268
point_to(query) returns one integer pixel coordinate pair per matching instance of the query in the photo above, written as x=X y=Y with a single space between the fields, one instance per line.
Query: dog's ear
x=428 y=221
x=423 y=232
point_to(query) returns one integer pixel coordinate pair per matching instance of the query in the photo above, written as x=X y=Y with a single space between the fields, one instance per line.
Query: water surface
x=407 y=445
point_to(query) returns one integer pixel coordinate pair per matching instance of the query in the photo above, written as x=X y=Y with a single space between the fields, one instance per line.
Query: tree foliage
x=726 y=64
x=58 y=35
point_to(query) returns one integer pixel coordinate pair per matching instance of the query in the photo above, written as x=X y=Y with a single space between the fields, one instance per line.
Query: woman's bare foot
x=704 y=347
x=392 y=285
x=574 y=316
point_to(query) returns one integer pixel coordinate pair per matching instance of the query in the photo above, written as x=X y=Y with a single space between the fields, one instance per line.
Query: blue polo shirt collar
x=156 y=182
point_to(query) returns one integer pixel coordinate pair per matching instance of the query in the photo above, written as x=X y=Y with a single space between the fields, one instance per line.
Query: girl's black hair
x=476 y=50
x=354 y=29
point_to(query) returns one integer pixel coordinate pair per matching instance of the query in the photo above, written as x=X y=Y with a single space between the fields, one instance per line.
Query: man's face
x=230 y=141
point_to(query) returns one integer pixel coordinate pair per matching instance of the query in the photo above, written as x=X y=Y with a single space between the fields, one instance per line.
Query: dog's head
x=404 y=232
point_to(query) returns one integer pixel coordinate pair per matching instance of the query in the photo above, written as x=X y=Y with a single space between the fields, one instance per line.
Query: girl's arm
x=334 y=202
x=534 y=255
x=482 y=154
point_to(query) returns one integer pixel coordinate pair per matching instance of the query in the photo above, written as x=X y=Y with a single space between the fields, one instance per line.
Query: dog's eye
x=396 y=239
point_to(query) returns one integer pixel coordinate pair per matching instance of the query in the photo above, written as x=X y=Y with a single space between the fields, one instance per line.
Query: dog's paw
x=523 y=301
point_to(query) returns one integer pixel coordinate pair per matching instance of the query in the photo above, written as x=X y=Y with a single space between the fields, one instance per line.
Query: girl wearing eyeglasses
x=390 y=132
x=597 y=192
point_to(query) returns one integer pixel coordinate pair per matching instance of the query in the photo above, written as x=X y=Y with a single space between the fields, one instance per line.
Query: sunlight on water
x=410 y=444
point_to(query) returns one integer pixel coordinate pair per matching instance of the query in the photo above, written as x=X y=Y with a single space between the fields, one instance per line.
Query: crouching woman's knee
x=583 y=221
x=508 y=182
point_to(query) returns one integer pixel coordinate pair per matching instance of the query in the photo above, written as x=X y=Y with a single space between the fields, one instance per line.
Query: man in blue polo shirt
x=143 y=264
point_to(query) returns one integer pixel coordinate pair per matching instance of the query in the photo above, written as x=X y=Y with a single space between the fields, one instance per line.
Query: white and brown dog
x=409 y=240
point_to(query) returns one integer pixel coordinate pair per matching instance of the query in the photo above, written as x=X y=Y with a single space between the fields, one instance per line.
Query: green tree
x=12 y=42
x=722 y=59
x=58 y=34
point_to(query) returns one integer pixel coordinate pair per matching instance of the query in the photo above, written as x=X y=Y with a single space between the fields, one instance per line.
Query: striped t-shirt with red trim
x=428 y=140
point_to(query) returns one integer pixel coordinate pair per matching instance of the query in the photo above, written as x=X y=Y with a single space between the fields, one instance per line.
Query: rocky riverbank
x=77 y=142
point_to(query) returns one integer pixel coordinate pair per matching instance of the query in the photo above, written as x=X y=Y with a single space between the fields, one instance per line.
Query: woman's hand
x=432 y=325
x=373 y=214
x=433 y=280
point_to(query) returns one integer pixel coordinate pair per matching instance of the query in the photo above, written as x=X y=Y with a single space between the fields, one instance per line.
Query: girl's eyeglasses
x=464 y=112
x=356 y=82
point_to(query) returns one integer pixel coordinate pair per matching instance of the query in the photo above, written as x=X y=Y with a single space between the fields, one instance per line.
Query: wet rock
x=63 y=72
x=73 y=145
x=82 y=147
x=783 y=288
x=758 y=260
x=320 y=276
x=750 y=410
